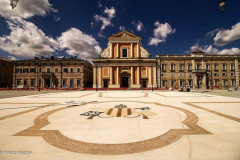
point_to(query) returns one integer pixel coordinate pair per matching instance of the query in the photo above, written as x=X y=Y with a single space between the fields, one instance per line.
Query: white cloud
x=26 y=40
x=138 y=25
x=79 y=44
x=106 y=21
x=99 y=4
x=160 y=33
x=209 y=49
x=224 y=37
x=25 y=8
x=122 y=28
x=12 y=58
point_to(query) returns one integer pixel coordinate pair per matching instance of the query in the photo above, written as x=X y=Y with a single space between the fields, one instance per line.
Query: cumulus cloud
x=12 y=58
x=80 y=44
x=122 y=28
x=160 y=33
x=26 y=40
x=105 y=20
x=209 y=49
x=25 y=8
x=224 y=37
x=138 y=25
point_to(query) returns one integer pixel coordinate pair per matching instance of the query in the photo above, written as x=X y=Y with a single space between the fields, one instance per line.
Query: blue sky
x=81 y=28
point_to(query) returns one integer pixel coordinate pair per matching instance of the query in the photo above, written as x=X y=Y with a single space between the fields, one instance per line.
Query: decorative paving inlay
x=57 y=139
x=212 y=111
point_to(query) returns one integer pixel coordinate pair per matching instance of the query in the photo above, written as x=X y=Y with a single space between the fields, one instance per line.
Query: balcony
x=47 y=74
x=199 y=71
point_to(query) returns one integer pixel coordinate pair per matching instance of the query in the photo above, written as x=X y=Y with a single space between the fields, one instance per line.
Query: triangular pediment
x=124 y=34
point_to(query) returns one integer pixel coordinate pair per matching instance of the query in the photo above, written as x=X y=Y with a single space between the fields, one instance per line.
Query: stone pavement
x=120 y=125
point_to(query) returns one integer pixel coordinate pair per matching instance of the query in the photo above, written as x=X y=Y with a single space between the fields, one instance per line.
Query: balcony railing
x=199 y=71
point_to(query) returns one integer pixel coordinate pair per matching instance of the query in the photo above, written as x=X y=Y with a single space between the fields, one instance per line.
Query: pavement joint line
x=57 y=139
x=212 y=111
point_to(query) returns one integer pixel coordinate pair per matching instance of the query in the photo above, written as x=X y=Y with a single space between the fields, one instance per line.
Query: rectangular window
x=224 y=74
x=224 y=67
x=39 y=69
x=48 y=70
x=32 y=70
x=71 y=83
x=198 y=66
x=71 y=70
x=18 y=81
x=233 y=82
x=232 y=66
x=78 y=69
x=65 y=70
x=164 y=83
x=181 y=83
x=172 y=74
x=25 y=70
x=207 y=66
x=180 y=67
x=189 y=74
x=25 y=82
x=164 y=67
x=78 y=82
x=216 y=75
x=124 y=52
x=232 y=74
x=56 y=70
x=216 y=82
x=32 y=82
x=216 y=67
x=172 y=67
x=19 y=70
x=172 y=83
x=189 y=66
x=224 y=82
x=64 y=82
x=163 y=74
x=190 y=82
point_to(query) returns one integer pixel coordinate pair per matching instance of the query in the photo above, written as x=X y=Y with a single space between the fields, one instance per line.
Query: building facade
x=52 y=73
x=198 y=70
x=124 y=63
x=6 y=73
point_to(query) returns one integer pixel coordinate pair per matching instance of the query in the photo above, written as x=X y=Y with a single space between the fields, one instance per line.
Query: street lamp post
x=222 y=5
x=13 y=3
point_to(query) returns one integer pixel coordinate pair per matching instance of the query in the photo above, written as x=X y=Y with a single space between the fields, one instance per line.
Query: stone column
x=237 y=72
x=14 y=85
x=193 y=74
x=132 y=76
x=138 y=74
x=150 y=75
x=111 y=55
x=154 y=76
x=117 y=75
x=99 y=77
x=204 y=82
x=94 y=77
x=117 y=50
x=132 y=54
x=111 y=76
x=137 y=49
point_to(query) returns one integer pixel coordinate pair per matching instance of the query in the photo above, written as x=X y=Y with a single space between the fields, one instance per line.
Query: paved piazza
x=120 y=125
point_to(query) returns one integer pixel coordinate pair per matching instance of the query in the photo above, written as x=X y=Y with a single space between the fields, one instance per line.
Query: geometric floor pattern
x=120 y=125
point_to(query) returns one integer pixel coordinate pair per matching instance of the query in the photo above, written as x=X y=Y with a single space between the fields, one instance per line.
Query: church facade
x=124 y=63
